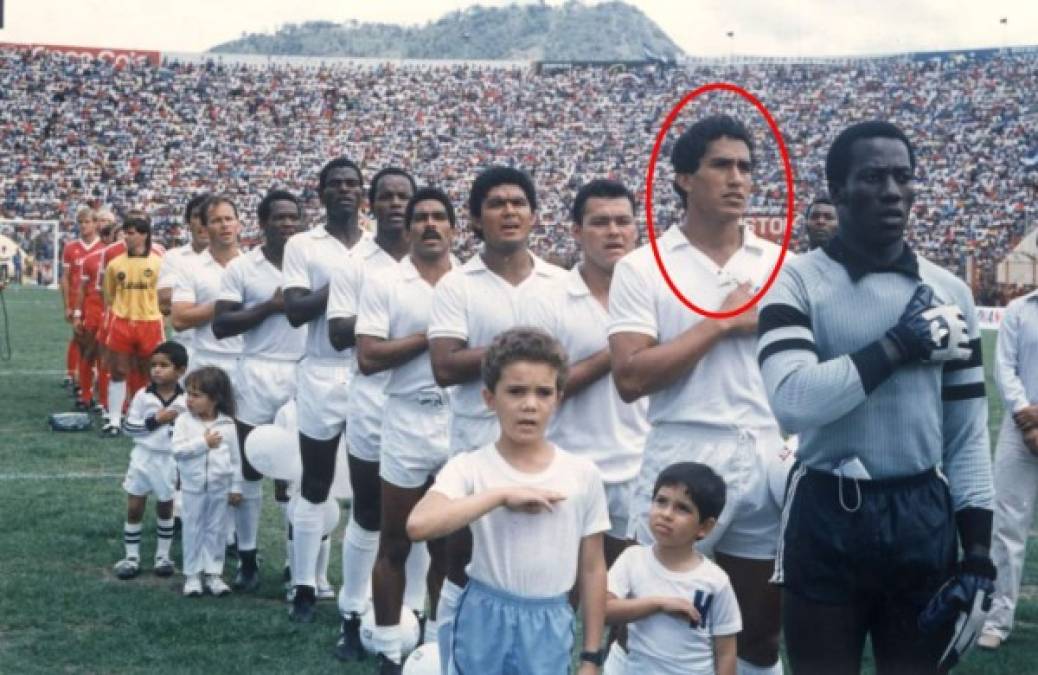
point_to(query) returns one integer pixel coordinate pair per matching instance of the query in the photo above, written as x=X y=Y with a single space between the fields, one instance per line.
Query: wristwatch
x=596 y=657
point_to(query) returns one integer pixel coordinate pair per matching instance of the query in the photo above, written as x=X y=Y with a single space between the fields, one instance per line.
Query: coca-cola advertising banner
x=120 y=57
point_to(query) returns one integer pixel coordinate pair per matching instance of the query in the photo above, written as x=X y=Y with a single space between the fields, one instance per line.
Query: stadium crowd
x=75 y=131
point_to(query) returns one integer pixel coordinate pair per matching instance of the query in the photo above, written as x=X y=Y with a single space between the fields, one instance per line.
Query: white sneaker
x=325 y=591
x=193 y=586
x=989 y=641
x=215 y=585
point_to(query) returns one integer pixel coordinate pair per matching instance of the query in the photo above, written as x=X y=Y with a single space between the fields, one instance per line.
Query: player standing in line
x=391 y=327
x=310 y=260
x=87 y=242
x=135 y=325
x=198 y=287
x=820 y=221
x=707 y=401
x=1016 y=460
x=251 y=304
x=88 y=324
x=592 y=421
x=471 y=305
x=152 y=468
x=873 y=356
x=514 y=615
x=182 y=258
x=390 y=190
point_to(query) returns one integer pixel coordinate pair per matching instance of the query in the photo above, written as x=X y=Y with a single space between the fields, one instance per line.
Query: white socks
x=323 y=556
x=359 y=550
x=164 y=530
x=247 y=515
x=387 y=641
x=116 y=398
x=416 y=568
x=744 y=668
x=307 y=530
x=132 y=540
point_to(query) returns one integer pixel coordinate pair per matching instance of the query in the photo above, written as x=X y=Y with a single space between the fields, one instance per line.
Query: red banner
x=768 y=227
x=120 y=57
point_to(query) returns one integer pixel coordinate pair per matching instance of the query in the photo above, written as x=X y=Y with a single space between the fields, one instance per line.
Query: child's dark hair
x=704 y=487
x=214 y=383
x=176 y=352
x=524 y=344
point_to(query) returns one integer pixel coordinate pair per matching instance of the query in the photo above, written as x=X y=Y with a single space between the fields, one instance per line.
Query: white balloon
x=778 y=469
x=274 y=452
x=423 y=661
x=409 y=630
x=330 y=511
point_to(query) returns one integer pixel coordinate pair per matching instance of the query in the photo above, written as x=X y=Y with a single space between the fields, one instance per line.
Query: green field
x=61 y=515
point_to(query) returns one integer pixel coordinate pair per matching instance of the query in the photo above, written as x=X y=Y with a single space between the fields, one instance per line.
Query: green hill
x=609 y=31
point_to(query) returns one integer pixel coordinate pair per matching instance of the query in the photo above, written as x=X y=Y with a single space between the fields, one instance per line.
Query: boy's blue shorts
x=497 y=632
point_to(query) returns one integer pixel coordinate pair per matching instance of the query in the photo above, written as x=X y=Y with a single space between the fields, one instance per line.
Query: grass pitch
x=61 y=515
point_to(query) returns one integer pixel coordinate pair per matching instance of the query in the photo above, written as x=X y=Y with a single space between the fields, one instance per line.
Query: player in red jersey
x=87 y=324
x=88 y=241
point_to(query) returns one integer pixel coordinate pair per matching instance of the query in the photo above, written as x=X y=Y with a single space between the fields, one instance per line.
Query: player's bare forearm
x=453 y=362
x=341 y=332
x=303 y=305
x=375 y=355
x=436 y=515
x=725 y=654
x=189 y=315
x=233 y=318
x=586 y=372
x=591 y=579
x=619 y=611
x=165 y=296
x=642 y=366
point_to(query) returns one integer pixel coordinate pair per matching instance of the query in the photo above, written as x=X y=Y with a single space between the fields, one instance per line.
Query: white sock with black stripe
x=132 y=540
x=164 y=532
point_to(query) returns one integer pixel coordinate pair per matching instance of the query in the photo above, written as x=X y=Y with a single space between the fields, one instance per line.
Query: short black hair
x=388 y=171
x=524 y=343
x=820 y=199
x=702 y=484
x=176 y=352
x=216 y=200
x=193 y=204
x=276 y=195
x=139 y=220
x=692 y=144
x=488 y=179
x=425 y=194
x=838 y=160
x=336 y=163
x=603 y=188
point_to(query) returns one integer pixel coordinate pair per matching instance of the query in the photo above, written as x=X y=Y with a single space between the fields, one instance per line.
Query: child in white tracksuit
x=205 y=445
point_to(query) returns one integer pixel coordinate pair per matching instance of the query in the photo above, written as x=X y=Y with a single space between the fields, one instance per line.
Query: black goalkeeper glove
x=964 y=599
x=928 y=333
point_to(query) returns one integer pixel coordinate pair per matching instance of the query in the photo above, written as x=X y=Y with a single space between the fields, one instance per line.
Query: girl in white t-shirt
x=680 y=608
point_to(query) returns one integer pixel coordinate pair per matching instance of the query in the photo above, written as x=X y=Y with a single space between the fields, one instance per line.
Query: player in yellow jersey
x=135 y=330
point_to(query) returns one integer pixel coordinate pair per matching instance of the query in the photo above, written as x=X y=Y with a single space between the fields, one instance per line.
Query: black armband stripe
x=976 y=359
x=781 y=316
x=800 y=344
x=963 y=392
x=873 y=366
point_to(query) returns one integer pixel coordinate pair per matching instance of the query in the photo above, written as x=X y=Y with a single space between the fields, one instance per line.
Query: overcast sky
x=766 y=27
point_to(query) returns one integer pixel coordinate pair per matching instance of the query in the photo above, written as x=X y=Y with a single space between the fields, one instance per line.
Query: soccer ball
x=409 y=630
x=423 y=661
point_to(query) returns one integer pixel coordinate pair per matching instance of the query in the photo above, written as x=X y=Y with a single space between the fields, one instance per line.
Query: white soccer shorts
x=151 y=473
x=415 y=442
x=262 y=387
x=321 y=395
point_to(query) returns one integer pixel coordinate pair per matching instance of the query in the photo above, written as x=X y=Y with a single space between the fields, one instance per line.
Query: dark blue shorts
x=844 y=540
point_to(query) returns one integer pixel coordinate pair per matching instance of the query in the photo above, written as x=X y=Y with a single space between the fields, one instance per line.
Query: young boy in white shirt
x=152 y=468
x=680 y=608
x=514 y=617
